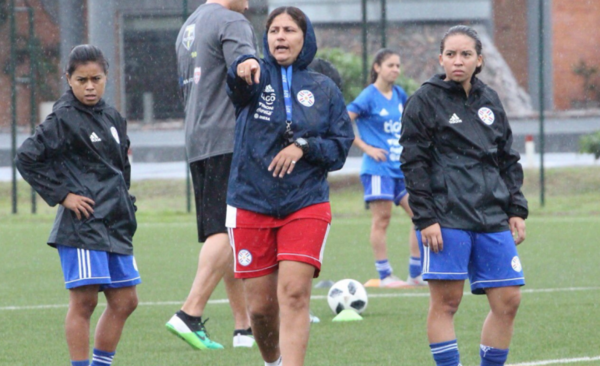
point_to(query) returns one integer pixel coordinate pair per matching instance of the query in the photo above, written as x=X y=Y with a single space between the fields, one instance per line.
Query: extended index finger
x=257 y=75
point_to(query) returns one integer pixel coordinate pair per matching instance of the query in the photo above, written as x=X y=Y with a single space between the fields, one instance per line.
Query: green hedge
x=590 y=144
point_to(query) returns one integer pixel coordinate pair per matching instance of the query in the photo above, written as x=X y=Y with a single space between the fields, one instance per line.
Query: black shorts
x=210 y=177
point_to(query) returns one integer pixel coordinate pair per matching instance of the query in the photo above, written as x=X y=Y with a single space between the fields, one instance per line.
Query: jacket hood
x=68 y=99
x=453 y=86
x=306 y=55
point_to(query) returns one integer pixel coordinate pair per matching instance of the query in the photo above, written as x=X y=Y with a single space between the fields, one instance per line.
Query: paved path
x=177 y=170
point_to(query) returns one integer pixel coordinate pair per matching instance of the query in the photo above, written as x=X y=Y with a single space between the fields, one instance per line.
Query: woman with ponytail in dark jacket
x=464 y=181
x=78 y=158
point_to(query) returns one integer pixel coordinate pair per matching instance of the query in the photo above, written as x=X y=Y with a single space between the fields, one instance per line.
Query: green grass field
x=558 y=319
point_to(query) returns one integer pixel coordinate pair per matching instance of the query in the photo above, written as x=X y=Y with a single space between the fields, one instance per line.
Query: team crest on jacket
x=189 y=35
x=306 y=98
x=115 y=134
x=486 y=115
x=197 y=74
x=244 y=257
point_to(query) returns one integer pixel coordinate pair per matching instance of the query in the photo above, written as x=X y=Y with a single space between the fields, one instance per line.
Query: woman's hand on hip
x=517 y=227
x=82 y=206
x=249 y=70
x=431 y=237
x=376 y=153
x=285 y=161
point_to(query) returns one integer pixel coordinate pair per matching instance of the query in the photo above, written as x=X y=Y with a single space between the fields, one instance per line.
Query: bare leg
x=261 y=298
x=498 y=326
x=215 y=262
x=443 y=304
x=293 y=291
x=237 y=300
x=82 y=302
x=412 y=236
x=381 y=212
x=121 y=302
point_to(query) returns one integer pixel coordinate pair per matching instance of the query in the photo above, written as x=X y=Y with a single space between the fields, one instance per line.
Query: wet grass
x=556 y=319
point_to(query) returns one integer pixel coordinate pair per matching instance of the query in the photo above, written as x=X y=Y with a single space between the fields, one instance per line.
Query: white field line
x=562 y=361
x=314 y=297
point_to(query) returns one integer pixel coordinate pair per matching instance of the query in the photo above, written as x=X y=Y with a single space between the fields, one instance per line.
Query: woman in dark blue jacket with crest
x=292 y=129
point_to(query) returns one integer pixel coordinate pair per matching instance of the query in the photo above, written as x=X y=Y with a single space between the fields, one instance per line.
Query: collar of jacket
x=307 y=54
x=69 y=99
x=454 y=87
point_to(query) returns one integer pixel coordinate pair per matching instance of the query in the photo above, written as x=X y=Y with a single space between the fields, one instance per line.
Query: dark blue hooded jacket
x=259 y=134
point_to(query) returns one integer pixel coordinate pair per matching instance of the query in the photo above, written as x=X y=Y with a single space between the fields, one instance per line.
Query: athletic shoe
x=416 y=281
x=194 y=333
x=391 y=281
x=243 y=338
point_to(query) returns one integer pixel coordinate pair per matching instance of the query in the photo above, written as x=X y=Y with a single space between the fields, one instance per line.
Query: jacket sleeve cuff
x=58 y=196
x=421 y=224
x=517 y=211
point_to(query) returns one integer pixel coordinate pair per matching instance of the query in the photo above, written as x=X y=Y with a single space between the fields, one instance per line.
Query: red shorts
x=259 y=241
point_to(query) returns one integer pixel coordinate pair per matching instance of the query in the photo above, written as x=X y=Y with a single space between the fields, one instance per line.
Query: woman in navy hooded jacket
x=292 y=129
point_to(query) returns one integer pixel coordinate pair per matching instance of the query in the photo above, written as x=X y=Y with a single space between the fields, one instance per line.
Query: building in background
x=138 y=38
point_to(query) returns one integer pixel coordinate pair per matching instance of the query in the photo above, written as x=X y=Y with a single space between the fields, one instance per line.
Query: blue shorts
x=384 y=188
x=486 y=259
x=82 y=267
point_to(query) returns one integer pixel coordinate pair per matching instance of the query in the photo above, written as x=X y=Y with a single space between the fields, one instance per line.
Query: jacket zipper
x=481 y=141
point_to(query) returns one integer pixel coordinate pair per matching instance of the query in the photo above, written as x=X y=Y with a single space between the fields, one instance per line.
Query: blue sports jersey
x=379 y=125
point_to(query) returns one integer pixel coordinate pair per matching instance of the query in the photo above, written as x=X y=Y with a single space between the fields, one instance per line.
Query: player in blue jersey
x=377 y=112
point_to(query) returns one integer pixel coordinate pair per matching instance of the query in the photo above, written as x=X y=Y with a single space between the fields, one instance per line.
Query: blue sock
x=80 y=363
x=414 y=267
x=491 y=356
x=102 y=358
x=445 y=353
x=384 y=268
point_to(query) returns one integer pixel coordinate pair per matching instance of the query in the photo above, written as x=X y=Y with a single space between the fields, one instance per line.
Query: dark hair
x=82 y=54
x=296 y=14
x=380 y=56
x=326 y=68
x=469 y=32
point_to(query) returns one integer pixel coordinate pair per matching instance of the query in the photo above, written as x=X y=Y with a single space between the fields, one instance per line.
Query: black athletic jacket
x=83 y=150
x=458 y=164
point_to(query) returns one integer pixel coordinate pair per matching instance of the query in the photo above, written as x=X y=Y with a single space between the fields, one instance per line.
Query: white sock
x=274 y=363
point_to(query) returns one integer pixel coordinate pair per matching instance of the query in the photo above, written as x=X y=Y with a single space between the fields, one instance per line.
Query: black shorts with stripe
x=210 y=177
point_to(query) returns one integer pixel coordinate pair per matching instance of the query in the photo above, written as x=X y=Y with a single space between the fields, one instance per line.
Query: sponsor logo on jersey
x=454 y=119
x=384 y=113
x=188 y=36
x=197 y=74
x=306 y=98
x=486 y=115
x=265 y=104
x=244 y=257
x=115 y=134
x=392 y=126
x=516 y=264
x=95 y=137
